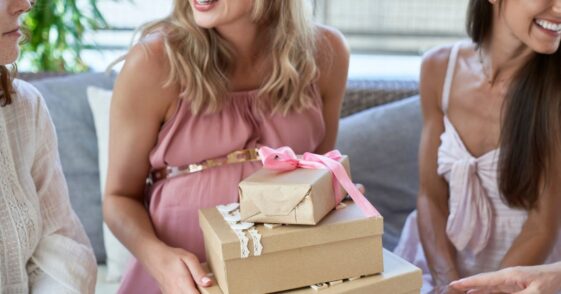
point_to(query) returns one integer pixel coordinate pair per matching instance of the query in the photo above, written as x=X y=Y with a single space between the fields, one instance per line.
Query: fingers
x=530 y=290
x=478 y=291
x=187 y=286
x=197 y=272
x=478 y=281
x=179 y=284
x=503 y=281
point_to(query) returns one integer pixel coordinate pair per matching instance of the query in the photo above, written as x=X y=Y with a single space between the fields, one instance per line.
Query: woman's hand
x=178 y=271
x=544 y=279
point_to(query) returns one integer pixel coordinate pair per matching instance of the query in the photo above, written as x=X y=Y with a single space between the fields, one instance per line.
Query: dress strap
x=449 y=76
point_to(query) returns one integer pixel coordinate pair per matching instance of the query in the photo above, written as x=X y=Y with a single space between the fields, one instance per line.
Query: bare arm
x=540 y=231
x=432 y=203
x=137 y=111
x=139 y=106
x=333 y=64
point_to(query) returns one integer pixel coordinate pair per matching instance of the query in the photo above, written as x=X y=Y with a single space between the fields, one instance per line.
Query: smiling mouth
x=550 y=26
x=205 y=2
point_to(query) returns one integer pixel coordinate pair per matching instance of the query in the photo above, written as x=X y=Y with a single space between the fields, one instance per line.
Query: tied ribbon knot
x=284 y=159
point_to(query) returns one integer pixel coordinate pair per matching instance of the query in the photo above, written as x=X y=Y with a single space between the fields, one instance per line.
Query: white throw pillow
x=118 y=256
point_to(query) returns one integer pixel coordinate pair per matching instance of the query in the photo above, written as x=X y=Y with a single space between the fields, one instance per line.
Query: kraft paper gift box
x=301 y=196
x=399 y=277
x=344 y=244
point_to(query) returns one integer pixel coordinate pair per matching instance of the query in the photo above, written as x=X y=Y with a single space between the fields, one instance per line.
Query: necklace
x=486 y=74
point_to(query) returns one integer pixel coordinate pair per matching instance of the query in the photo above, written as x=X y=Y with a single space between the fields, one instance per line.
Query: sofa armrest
x=382 y=144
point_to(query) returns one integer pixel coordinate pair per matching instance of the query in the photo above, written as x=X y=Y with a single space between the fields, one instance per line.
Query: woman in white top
x=490 y=155
x=43 y=246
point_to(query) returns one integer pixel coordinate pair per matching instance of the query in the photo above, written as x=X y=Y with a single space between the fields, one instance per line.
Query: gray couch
x=379 y=133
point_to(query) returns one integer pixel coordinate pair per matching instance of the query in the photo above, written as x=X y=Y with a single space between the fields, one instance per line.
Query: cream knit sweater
x=43 y=246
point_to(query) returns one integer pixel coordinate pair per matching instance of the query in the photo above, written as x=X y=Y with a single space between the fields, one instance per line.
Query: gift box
x=300 y=196
x=399 y=277
x=344 y=244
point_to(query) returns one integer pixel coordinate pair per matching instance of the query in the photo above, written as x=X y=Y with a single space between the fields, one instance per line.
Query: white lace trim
x=231 y=214
x=331 y=284
x=256 y=238
x=19 y=230
x=20 y=227
x=244 y=241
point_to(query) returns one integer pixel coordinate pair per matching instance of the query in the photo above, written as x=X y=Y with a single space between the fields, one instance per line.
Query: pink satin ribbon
x=284 y=159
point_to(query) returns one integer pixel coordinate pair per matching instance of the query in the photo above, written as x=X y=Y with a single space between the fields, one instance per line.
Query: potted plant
x=56 y=32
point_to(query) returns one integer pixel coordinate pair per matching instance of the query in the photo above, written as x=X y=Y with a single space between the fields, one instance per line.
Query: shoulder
x=332 y=58
x=434 y=68
x=28 y=99
x=330 y=45
x=148 y=56
x=332 y=37
x=433 y=73
x=436 y=59
x=146 y=65
x=142 y=81
x=26 y=91
x=28 y=114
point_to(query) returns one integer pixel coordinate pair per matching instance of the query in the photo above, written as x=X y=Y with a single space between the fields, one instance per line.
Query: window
x=123 y=17
x=380 y=32
x=395 y=26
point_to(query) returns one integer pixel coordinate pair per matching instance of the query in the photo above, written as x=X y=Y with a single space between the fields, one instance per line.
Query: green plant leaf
x=56 y=29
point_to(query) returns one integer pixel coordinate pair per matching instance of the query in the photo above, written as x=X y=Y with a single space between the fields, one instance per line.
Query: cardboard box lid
x=342 y=224
x=398 y=277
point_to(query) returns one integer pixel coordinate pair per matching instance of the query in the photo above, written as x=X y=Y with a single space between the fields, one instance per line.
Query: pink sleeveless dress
x=174 y=203
x=481 y=226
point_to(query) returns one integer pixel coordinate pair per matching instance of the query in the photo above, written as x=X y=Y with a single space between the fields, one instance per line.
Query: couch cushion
x=382 y=144
x=67 y=102
x=117 y=255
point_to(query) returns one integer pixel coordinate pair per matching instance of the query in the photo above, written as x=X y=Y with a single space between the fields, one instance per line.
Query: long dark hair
x=6 y=84
x=531 y=122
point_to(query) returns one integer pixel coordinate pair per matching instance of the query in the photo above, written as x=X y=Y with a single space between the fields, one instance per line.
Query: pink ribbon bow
x=284 y=159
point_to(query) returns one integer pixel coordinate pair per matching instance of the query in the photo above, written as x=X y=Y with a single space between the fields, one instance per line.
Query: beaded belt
x=239 y=156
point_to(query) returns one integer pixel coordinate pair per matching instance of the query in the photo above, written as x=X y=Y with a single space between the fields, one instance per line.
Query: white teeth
x=549 y=25
x=205 y=2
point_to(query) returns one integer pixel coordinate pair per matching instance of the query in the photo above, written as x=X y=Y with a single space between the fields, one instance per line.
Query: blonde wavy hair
x=200 y=60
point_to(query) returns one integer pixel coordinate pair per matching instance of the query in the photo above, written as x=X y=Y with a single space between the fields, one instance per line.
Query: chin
x=205 y=22
x=9 y=56
x=547 y=49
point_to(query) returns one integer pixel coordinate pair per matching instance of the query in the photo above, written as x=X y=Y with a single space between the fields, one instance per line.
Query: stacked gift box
x=399 y=277
x=292 y=232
